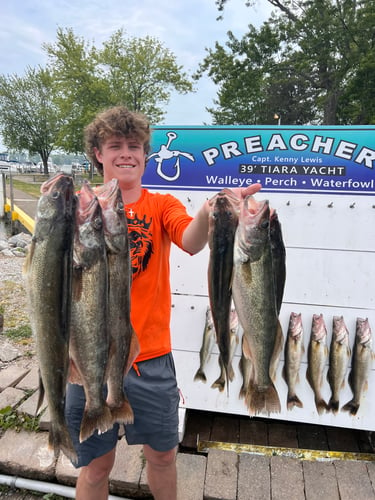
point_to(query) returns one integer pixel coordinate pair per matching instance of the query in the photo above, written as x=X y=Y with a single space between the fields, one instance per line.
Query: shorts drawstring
x=135 y=366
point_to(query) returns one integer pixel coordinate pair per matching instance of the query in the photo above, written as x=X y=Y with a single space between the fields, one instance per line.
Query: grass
x=33 y=188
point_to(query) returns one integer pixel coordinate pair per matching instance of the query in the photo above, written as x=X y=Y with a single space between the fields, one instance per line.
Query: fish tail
x=321 y=405
x=265 y=401
x=59 y=439
x=292 y=401
x=219 y=384
x=122 y=414
x=242 y=393
x=200 y=375
x=351 y=406
x=100 y=420
x=333 y=405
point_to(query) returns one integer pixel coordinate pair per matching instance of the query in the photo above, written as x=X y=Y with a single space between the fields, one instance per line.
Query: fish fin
x=134 y=350
x=74 y=376
x=122 y=414
x=283 y=373
x=279 y=342
x=292 y=401
x=200 y=375
x=59 y=439
x=333 y=406
x=246 y=348
x=308 y=377
x=321 y=405
x=230 y=372
x=100 y=420
x=264 y=401
x=351 y=406
x=29 y=258
x=41 y=395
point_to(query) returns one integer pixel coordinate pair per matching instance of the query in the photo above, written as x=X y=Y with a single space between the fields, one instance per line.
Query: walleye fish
x=48 y=285
x=89 y=338
x=278 y=258
x=255 y=302
x=234 y=326
x=223 y=219
x=293 y=353
x=339 y=357
x=317 y=358
x=119 y=284
x=361 y=365
x=207 y=346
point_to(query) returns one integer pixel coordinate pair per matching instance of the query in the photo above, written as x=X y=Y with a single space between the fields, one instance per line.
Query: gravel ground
x=13 y=307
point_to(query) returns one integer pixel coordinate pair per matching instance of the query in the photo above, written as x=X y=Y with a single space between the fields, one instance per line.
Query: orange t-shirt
x=154 y=221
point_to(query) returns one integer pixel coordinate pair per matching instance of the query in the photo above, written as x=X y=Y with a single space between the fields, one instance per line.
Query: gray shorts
x=154 y=398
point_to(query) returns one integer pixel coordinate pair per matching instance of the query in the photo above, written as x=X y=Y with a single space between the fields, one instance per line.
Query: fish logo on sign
x=165 y=154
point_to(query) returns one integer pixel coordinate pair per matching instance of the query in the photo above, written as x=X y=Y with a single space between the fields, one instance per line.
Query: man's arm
x=196 y=233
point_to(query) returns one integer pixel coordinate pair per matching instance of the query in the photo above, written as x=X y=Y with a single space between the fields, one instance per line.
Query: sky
x=186 y=27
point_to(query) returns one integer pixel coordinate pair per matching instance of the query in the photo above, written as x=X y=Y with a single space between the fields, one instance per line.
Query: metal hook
x=352 y=205
x=309 y=203
x=330 y=205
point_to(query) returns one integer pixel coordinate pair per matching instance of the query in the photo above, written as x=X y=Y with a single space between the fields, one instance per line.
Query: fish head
x=57 y=202
x=223 y=218
x=224 y=205
x=114 y=218
x=89 y=236
x=363 y=331
x=253 y=227
x=295 y=325
x=318 y=328
x=339 y=330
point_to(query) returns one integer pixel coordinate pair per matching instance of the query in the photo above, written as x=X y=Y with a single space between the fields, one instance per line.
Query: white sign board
x=330 y=252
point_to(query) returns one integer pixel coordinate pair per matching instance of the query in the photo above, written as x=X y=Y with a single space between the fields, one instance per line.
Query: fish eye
x=55 y=195
x=265 y=224
x=97 y=223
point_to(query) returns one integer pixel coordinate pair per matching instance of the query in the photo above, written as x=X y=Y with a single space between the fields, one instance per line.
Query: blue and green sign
x=318 y=159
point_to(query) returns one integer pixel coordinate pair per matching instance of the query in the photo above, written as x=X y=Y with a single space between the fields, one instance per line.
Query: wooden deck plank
x=282 y=434
x=198 y=423
x=253 y=431
x=342 y=439
x=225 y=428
x=312 y=437
x=320 y=481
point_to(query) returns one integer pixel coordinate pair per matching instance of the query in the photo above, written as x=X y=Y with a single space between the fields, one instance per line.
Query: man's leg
x=161 y=472
x=92 y=481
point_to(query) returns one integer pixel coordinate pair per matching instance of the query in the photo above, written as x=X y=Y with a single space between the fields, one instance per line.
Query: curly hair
x=115 y=121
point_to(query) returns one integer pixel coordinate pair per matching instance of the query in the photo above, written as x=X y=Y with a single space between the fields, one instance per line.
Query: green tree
x=137 y=72
x=80 y=86
x=141 y=73
x=322 y=68
x=29 y=117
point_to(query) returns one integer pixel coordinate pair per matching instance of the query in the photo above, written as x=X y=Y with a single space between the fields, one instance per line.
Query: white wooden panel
x=330 y=246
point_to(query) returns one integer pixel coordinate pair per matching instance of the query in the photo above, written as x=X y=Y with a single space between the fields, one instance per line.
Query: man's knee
x=99 y=469
x=159 y=458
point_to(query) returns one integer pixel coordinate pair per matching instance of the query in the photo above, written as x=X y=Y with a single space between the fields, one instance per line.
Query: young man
x=118 y=142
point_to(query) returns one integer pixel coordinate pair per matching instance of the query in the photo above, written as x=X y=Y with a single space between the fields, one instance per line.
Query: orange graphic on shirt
x=140 y=241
